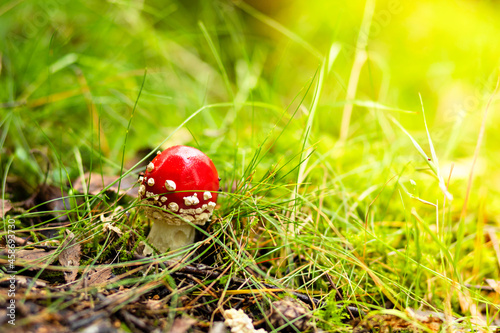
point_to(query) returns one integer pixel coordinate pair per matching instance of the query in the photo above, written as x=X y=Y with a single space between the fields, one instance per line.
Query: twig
x=483 y=288
x=211 y=273
x=134 y=321
x=75 y=325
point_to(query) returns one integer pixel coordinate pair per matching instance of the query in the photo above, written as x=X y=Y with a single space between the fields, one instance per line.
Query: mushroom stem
x=164 y=237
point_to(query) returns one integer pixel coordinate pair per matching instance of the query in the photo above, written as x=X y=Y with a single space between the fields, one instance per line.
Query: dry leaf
x=182 y=325
x=25 y=281
x=95 y=277
x=100 y=325
x=109 y=219
x=98 y=182
x=5 y=206
x=494 y=284
x=108 y=226
x=70 y=256
x=55 y=199
x=467 y=304
x=391 y=323
x=429 y=319
x=152 y=304
x=290 y=313
x=35 y=257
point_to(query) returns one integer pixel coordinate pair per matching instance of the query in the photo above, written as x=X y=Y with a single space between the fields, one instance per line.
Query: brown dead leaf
x=95 y=277
x=152 y=304
x=56 y=200
x=468 y=304
x=102 y=325
x=98 y=182
x=109 y=219
x=182 y=325
x=108 y=226
x=49 y=199
x=35 y=257
x=5 y=206
x=431 y=320
x=494 y=284
x=416 y=322
x=25 y=281
x=70 y=256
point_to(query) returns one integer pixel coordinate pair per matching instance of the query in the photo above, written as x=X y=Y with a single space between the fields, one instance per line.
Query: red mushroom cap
x=182 y=180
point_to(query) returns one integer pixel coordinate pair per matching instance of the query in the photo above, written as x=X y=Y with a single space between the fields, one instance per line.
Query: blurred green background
x=94 y=84
x=72 y=69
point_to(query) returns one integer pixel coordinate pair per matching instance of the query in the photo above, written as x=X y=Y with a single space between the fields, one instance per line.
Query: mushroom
x=182 y=184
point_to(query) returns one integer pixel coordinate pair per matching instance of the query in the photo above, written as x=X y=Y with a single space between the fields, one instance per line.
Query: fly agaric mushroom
x=182 y=183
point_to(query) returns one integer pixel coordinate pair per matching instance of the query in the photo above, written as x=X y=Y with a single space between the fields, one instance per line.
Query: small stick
x=211 y=273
